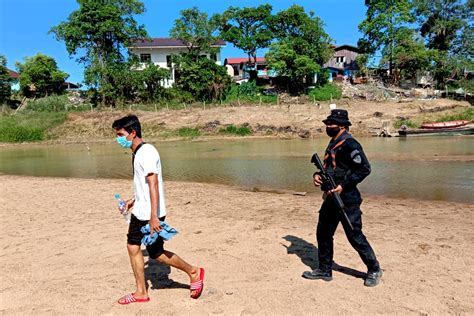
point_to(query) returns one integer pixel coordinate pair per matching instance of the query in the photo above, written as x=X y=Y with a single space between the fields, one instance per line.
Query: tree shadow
x=158 y=275
x=308 y=253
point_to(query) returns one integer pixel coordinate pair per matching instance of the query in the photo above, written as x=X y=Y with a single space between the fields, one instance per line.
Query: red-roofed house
x=159 y=52
x=236 y=67
x=13 y=74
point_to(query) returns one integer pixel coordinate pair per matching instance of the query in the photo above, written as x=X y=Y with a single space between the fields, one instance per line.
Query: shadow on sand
x=308 y=254
x=158 y=275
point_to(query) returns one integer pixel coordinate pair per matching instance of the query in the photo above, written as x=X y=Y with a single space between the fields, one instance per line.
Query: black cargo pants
x=329 y=218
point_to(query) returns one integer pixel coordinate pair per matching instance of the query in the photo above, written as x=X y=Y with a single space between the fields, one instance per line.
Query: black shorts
x=134 y=237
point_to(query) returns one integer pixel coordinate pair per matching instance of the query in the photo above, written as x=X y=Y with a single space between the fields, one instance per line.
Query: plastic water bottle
x=122 y=205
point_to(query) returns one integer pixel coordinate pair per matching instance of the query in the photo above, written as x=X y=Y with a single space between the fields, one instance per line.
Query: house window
x=145 y=58
x=340 y=59
x=214 y=56
x=168 y=61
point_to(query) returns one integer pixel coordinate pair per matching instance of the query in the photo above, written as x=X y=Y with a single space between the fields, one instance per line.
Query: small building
x=343 y=62
x=159 y=52
x=241 y=67
x=13 y=74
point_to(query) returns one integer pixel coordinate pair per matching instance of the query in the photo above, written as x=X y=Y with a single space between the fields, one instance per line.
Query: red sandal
x=198 y=285
x=130 y=298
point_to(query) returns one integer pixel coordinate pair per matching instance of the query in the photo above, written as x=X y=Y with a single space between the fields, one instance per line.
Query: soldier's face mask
x=332 y=130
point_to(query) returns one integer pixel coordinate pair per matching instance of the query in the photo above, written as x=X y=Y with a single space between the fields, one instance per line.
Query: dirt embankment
x=285 y=120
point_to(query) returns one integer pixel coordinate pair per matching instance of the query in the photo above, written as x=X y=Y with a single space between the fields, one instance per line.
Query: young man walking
x=346 y=162
x=148 y=208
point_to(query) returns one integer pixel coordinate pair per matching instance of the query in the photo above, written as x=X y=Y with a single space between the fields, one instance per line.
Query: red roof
x=233 y=61
x=166 y=42
x=13 y=74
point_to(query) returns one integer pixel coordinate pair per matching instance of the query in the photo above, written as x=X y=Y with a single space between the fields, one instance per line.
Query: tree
x=97 y=34
x=447 y=28
x=246 y=28
x=301 y=48
x=40 y=76
x=204 y=79
x=5 y=80
x=409 y=54
x=196 y=30
x=384 y=18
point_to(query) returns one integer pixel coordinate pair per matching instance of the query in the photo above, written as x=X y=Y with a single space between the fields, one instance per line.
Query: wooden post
x=204 y=103
x=260 y=103
x=156 y=110
x=92 y=110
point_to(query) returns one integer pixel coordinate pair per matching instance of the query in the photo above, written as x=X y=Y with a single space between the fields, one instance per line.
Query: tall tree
x=98 y=32
x=447 y=26
x=246 y=28
x=5 y=80
x=384 y=18
x=40 y=76
x=196 y=30
x=301 y=48
x=409 y=54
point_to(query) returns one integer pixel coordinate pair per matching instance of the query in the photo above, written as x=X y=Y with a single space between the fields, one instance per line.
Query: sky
x=24 y=24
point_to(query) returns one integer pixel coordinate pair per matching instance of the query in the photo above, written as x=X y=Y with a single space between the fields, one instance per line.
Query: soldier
x=346 y=162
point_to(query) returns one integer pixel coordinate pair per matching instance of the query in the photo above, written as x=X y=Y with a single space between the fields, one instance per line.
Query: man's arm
x=360 y=167
x=154 y=222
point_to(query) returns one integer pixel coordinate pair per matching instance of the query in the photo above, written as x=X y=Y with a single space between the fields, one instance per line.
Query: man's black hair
x=129 y=123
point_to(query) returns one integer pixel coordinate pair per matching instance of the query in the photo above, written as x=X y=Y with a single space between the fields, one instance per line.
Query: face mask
x=124 y=142
x=332 y=131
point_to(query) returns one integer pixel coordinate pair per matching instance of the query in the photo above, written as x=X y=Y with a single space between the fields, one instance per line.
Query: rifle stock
x=326 y=177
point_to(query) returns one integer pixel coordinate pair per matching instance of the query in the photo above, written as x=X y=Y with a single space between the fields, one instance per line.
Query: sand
x=63 y=252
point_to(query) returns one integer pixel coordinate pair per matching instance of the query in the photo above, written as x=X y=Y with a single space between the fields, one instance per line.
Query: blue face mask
x=124 y=142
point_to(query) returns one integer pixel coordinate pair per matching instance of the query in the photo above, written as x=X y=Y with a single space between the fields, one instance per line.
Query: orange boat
x=441 y=125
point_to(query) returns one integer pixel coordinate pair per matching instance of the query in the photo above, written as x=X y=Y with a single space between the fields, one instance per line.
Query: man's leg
x=359 y=242
x=175 y=261
x=138 y=267
x=327 y=224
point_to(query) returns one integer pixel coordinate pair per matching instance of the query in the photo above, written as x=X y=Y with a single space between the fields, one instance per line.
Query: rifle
x=329 y=181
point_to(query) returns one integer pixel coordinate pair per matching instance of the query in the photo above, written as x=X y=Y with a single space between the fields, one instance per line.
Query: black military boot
x=318 y=274
x=373 y=278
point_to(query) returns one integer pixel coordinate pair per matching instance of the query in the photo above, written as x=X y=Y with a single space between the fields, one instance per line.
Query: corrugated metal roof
x=13 y=74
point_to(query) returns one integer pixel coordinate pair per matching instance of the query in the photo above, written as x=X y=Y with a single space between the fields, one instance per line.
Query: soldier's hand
x=317 y=180
x=338 y=189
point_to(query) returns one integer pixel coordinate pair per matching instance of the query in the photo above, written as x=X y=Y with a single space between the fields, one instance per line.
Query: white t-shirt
x=147 y=160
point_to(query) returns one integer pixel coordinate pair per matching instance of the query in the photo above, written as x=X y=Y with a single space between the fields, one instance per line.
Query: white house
x=159 y=52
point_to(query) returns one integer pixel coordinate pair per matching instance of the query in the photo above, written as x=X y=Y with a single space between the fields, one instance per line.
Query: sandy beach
x=63 y=252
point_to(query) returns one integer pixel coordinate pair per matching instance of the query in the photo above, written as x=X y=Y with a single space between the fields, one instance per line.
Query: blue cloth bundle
x=167 y=232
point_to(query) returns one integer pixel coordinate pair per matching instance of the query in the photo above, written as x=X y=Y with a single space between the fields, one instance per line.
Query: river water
x=428 y=168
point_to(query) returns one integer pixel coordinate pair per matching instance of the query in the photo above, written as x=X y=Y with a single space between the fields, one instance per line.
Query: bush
x=326 y=92
x=188 y=132
x=28 y=127
x=234 y=130
x=465 y=115
x=53 y=103
x=407 y=122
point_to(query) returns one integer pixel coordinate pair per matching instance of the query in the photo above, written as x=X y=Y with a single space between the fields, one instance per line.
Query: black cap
x=340 y=117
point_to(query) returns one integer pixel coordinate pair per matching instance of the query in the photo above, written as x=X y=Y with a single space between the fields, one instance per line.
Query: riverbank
x=63 y=252
x=287 y=120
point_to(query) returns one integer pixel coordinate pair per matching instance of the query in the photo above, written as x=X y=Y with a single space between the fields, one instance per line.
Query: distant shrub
x=234 y=130
x=326 y=92
x=465 y=115
x=53 y=103
x=406 y=122
x=188 y=132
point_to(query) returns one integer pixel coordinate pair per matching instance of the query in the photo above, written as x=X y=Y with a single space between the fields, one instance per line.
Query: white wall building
x=159 y=52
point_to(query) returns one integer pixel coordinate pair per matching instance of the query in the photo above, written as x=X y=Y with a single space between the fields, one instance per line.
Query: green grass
x=465 y=115
x=409 y=123
x=325 y=93
x=28 y=126
x=188 y=132
x=234 y=130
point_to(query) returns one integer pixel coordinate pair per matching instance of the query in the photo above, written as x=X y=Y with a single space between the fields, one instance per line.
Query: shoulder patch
x=354 y=153
x=357 y=159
